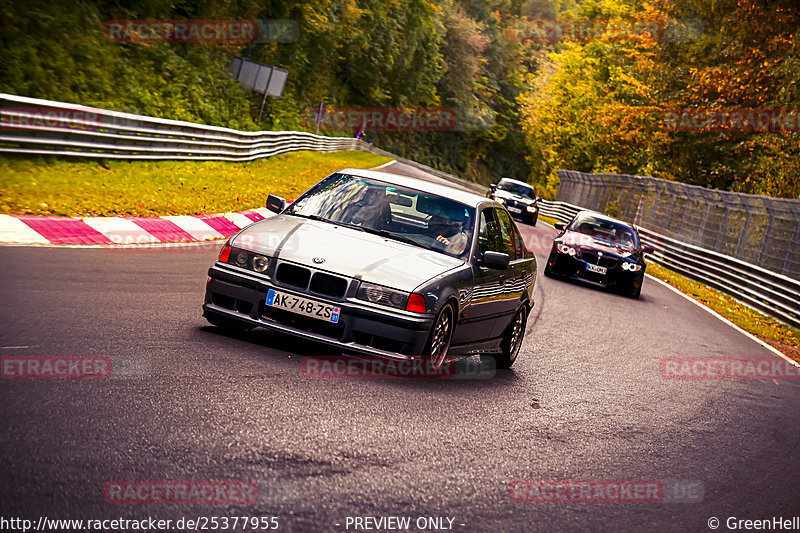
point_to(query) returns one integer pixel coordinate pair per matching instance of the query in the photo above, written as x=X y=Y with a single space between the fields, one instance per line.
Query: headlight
x=382 y=295
x=374 y=293
x=499 y=200
x=260 y=263
x=532 y=209
x=564 y=249
x=246 y=259
x=632 y=267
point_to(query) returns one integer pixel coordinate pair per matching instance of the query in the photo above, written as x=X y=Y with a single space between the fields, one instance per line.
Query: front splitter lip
x=274 y=326
x=566 y=266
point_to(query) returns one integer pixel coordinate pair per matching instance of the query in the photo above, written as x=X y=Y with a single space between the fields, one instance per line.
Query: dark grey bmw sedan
x=375 y=263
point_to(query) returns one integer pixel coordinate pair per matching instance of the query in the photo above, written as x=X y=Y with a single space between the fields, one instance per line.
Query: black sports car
x=375 y=263
x=518 y=197
x=599 y=250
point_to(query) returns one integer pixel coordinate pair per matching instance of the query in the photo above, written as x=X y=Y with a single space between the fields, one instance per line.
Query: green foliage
x=524 y=109
x=599 y=105
x=350 y=53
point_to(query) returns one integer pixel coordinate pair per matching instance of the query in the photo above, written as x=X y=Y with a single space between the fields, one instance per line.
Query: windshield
x=394 y=212
x=607 y=231
x=516 y=188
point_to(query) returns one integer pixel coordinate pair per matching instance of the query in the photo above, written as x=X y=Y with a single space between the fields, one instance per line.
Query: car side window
x=489 y=235
x=507 y=234
x=497 y=233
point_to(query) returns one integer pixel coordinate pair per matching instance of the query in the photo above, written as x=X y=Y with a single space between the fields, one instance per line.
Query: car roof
x=601 y=216
x=518 y=182
x=465 y=197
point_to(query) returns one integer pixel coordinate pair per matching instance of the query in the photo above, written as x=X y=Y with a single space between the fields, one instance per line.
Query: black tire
x=534 y=219
x=635 y=292
x=228 y=325
x=512 y=339
x=547 y=271
x=440 y=336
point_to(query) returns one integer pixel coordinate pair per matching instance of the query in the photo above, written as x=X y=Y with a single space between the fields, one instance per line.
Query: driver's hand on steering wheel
x=443 y=240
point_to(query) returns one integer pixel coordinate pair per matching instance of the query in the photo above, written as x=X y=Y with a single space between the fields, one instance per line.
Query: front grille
x=304 y=323
x=328 y=285
x=605 y=261
x=295 y=276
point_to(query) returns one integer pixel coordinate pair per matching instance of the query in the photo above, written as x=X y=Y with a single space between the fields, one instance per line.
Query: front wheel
x=512 y=339
x=440 y=336
x=635 y=291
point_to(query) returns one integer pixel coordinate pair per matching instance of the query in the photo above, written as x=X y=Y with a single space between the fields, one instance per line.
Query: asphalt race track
x=584 y=401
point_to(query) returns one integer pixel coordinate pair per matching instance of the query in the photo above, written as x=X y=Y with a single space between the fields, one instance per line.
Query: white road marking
x=384 y=165
x=13 y=230
x=195 y=227
x=120 y=230
x=239 y=220
x=264 y=212
x=725 y=320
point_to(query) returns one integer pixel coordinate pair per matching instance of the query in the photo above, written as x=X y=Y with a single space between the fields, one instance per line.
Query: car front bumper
x=575 y=268
x=236 y=295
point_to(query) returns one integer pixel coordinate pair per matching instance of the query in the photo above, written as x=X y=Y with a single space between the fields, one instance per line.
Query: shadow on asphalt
x=465 y=373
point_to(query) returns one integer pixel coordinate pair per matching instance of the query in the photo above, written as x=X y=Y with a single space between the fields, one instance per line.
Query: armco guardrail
x=43 y=127
x=773 y=294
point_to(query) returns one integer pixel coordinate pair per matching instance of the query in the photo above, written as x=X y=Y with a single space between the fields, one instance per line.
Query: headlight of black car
x=244 y=259
x=632 y=267
x=564 y=249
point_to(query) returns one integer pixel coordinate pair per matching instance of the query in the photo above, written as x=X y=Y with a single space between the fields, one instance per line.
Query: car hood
x=499 y=193
x=589 y=243
x=345 y=251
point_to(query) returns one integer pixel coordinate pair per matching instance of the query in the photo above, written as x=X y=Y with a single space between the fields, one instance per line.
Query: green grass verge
x=547 y=219
x=51 y=186
x=783 y=337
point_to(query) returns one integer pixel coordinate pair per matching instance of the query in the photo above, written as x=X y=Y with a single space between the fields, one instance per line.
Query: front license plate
x=303 y=306
x=596 y=268
x=515 y=210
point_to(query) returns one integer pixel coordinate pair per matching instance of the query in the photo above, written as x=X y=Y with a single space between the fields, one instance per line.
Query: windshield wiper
x=323 y=219
x=394 y=236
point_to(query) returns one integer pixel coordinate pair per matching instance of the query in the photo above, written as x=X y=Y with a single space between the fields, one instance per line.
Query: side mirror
x=647 y=249
x=276 y=204
x=559 y=226
x=495 y=260
x=493 y=187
